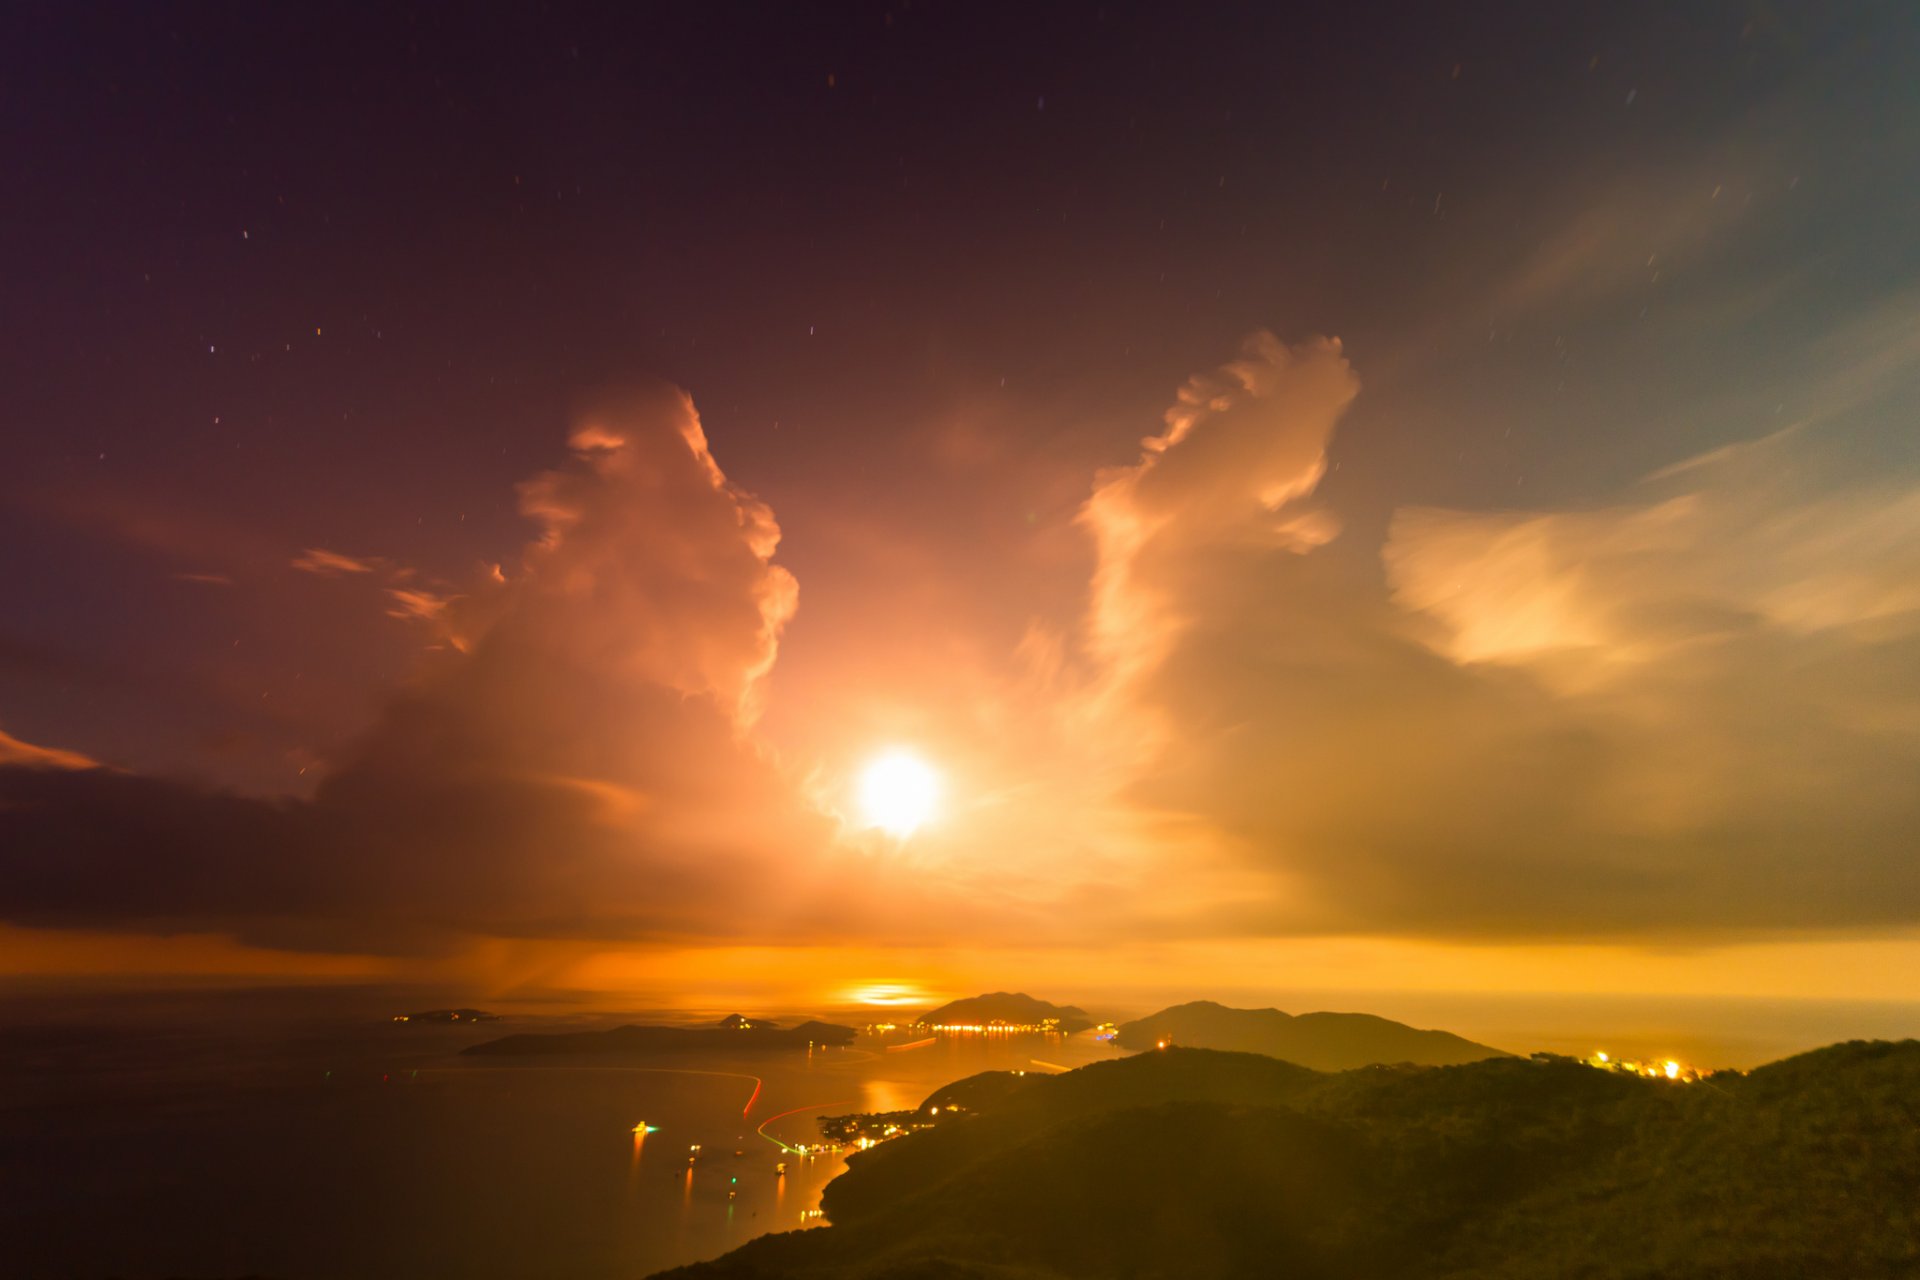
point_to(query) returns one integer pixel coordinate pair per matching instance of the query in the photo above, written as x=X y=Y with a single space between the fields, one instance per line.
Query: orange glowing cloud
x=1558 y=725
x=574 y=762
x=1625 y=721
x=26 y=755
x=330 y=564
x=662 y=567
x=1242 y=447
x=1710 y=550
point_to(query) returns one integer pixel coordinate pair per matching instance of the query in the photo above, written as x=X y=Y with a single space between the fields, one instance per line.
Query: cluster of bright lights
x=1652 y=1069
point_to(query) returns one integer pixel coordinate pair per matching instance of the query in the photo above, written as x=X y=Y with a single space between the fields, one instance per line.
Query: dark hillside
x=1192 y=1163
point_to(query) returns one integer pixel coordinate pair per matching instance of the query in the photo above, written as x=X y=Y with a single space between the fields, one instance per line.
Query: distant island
x=1322 y=1041
x=740 y=1022
x=448 y=1015
x=731 y=1034
x=1005 y=1010
x=1199 y=1163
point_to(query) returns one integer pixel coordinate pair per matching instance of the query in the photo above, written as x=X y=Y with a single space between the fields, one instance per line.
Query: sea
x=304 y=1135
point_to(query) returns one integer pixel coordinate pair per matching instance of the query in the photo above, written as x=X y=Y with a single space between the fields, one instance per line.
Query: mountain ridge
x=1324 y=1041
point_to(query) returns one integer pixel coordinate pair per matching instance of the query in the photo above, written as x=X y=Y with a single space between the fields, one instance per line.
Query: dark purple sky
x=344 y=278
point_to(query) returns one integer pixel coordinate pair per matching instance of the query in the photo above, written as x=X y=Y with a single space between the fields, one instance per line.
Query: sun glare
x=897 y=793
x=887 y=994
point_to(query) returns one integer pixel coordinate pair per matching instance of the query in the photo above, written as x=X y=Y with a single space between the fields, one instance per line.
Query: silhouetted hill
x=729 y=1036
x=1007 y=1008
x=1323 y=1041
x=1199 y=1163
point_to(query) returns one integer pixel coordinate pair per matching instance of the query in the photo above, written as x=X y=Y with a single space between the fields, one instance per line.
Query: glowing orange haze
x=1498 y=752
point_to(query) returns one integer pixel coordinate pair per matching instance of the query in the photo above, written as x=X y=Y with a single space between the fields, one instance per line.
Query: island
x=447 y=1015
x=732 y=1034
x=1004 y=1011
x=1323 y=1041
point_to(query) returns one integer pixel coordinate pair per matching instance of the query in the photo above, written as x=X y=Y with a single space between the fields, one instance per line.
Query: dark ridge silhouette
x=752 y=1037
x=1199 y=1163
x=1323 y=1041
x=1007 y=1008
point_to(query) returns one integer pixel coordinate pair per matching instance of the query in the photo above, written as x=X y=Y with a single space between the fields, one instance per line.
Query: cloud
x=1708 y=552
x=1243 y=448
x=1739 y=645
x=1696 y=709
x=662 y=567
x=331 y=564
x=1620 y=243
x=576 y=765
x=93 y=846
x=413 y=603
x=1692 y=710
x=18 y=754
x=404 y=592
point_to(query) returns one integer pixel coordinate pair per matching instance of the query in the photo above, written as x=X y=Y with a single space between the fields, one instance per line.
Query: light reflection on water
x=357 y=1151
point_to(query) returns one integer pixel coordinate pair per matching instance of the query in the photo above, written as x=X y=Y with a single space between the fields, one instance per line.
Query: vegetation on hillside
x=1196 y=1163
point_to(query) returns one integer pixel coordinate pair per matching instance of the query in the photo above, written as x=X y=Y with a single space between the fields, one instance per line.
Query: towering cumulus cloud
x=573 y=763
x=650 y=565
x=1243 y=449
x=1698 y=709
x=1222 y=642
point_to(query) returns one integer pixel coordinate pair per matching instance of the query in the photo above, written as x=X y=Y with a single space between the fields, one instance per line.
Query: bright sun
x=897 y=792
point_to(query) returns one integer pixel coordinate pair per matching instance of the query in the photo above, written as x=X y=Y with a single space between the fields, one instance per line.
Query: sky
x=1395 y=499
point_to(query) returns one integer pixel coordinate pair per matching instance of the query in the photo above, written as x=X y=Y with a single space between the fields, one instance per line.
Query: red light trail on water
x=917 y=1044
x=811 y=1106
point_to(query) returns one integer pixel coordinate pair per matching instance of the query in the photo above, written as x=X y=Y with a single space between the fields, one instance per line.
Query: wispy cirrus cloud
x=17 y=753
x=424 y=606
x=331 y=564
